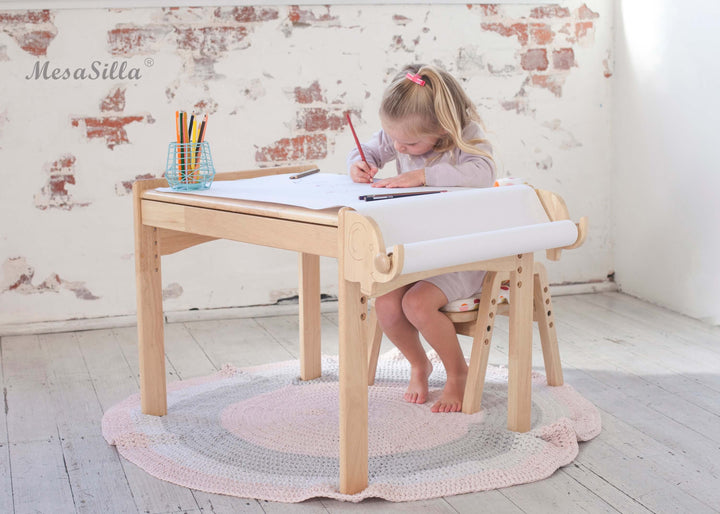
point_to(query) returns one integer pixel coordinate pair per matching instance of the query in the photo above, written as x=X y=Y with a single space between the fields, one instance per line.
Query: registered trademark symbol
x=149 y=62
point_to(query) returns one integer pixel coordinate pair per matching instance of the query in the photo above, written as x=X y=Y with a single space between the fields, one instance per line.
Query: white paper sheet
x=318 y=191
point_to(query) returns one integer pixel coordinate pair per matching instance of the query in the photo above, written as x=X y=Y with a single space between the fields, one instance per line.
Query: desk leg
x=353 y=388
x=309 y=300
x=520 y=345
x=151 y=342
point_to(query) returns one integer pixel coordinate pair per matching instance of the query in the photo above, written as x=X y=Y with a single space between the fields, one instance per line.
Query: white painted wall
x=666 y=176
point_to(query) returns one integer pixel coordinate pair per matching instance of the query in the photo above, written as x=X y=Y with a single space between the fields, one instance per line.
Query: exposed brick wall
x=54 y=194
x=548 y=35
x=316 y=118
x=18 y=277
x=110 y=128
x=33 y=31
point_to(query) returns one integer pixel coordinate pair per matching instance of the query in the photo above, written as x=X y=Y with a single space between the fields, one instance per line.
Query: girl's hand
x=413 y=178
x=363 y=172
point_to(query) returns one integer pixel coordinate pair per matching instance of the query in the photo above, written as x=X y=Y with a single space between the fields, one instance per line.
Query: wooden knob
x=382 y=263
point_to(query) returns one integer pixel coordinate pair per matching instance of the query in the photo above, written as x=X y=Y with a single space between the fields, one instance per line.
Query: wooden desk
x=166 y=223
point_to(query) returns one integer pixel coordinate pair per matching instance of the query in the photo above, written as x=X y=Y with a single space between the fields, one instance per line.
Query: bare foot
x=452 y=395
x=417 y=391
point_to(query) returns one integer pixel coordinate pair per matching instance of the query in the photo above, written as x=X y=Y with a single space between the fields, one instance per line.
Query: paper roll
x=467 y=226
x=482 y=246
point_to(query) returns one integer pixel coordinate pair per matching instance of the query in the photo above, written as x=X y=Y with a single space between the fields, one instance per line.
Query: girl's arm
x=462 y=168
x=469 y=171
x=378 y=151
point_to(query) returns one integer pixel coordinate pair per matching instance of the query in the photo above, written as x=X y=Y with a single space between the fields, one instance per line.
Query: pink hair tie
x=415 y=77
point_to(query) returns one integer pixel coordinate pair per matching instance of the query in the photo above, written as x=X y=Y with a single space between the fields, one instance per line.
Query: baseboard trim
x=254 y=311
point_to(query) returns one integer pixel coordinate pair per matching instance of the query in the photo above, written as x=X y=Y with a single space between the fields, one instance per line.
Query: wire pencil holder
x=189 y=166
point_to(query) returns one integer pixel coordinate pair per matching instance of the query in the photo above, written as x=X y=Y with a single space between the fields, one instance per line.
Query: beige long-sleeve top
x=453 y=168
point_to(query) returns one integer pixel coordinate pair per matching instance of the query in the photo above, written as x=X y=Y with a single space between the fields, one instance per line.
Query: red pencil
x=357 y=142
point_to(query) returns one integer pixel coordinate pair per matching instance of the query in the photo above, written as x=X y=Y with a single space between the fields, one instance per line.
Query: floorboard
x=652 y=373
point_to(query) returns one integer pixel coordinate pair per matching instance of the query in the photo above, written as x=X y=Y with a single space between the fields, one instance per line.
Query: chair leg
x=375 y=338
x=546 y=327
x=481 y=343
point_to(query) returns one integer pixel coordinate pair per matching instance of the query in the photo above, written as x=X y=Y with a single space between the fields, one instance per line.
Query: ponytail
x=440 y=105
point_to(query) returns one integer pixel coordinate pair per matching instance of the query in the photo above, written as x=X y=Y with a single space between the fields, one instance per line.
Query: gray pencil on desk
x=305 y=173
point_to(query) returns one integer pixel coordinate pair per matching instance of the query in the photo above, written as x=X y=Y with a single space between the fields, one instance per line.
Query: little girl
x=433 y=132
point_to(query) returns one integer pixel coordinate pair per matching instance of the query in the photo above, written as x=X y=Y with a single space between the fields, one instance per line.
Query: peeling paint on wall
x=18 y=275
x=114 y=101
x=199 y=35
x=299 y=148
x=124 y=187
x=310 y=94
x=109 y=128
x=55 y=194
x=173 y=290
x=306 y=16
x=547 y=44
x=33 y=31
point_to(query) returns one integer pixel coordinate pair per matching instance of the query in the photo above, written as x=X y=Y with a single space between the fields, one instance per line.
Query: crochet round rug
x=262 y=433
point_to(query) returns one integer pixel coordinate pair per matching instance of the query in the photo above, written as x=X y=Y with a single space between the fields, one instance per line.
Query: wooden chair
x=479 y=323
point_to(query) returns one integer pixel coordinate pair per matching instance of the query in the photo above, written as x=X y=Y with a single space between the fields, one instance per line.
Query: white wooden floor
x=654 y=374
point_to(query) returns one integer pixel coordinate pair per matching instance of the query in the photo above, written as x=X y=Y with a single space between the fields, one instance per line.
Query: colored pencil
x=357 y=141
x=192 y=131
x=200 y=138
x=202 y=129
x=177 y=135
x=183 y=136
x=305 y=173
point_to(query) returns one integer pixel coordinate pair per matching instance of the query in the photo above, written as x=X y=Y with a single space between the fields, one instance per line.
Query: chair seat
x=472 y=303
x=464 y=317
x=463 y=304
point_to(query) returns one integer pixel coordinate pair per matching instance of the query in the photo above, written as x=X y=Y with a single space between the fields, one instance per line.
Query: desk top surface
x=271 y=210
x=328 y=217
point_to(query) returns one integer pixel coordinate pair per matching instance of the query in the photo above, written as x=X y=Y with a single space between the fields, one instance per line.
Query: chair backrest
x=557 y=210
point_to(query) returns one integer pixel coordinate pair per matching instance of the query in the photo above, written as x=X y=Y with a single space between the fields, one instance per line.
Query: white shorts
x=458 y=285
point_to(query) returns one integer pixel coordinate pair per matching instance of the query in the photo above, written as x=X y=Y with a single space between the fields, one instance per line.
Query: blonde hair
x=440 y=105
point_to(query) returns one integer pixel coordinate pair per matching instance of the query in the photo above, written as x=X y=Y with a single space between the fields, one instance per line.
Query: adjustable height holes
x=363 y=316
x=363 y=300
x=491 y=315
x=549 y=313
x=519 y=284
x=488 y=328
x=547 y=301
x=486 y=342
x=493 y=301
